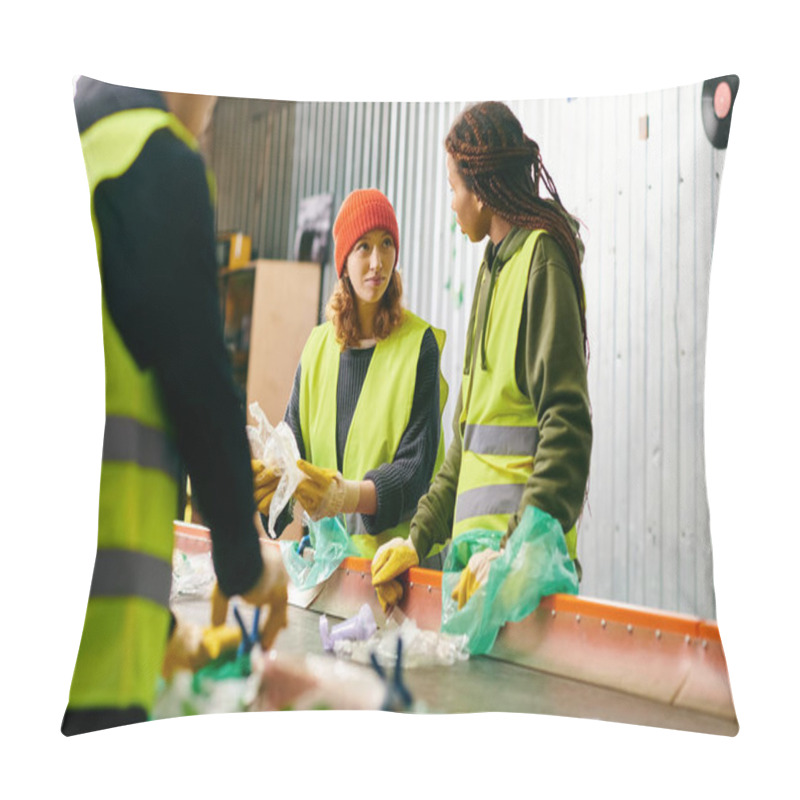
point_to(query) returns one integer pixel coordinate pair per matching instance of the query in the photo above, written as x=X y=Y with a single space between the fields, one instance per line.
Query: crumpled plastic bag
x=329 y=545
x=192 y=575
x=534 y=564
x=276 y=448
x=421 y=648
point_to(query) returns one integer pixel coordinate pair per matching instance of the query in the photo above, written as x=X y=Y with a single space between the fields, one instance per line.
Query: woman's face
x=370 y=264
x=473 y=218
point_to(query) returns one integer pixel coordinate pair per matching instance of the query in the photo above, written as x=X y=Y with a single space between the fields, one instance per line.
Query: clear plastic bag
x=534 y=564
x=421 y=648
x=277 y=449
x=192 y=575
x=329 y=545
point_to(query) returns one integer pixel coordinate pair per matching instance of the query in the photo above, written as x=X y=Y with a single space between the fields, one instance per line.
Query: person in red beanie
x=368 y=393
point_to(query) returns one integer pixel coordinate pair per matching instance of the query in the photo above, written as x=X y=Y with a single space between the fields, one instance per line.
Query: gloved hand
x=325 y=493
x=474 y=575
x=389 y=594
x=391 y=559
x=265 y=482
x=271 y=590
x=192 y=647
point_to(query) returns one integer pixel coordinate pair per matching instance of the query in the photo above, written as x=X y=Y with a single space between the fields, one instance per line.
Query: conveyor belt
x=573 y=657
x=488 y=684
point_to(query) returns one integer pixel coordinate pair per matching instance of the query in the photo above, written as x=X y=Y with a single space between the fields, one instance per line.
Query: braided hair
x=503 y=168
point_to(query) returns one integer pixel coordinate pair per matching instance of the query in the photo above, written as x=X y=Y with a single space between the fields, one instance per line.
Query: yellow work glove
x=325 y=493
x=192 y=647
x=265 y=482
x=392 y=559
x=474 y=575
x=271 y=590
x=389 y=595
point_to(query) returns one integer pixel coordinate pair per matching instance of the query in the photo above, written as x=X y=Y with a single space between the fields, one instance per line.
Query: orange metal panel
x=672 y=658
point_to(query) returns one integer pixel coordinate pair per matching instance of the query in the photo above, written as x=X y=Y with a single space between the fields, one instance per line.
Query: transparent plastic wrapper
x=329 y=545
x=276 y=448
x=192 y=575
x=421 y=648
x=534 y=564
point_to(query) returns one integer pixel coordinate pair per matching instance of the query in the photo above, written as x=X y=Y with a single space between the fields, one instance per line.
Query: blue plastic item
x=330 y=543
x=534 y=564
x=304 y=542
x=398 y=697
x=248 y=639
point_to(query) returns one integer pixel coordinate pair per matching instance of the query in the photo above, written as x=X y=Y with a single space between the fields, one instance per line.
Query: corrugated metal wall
x=252 y=155
x=649 y=206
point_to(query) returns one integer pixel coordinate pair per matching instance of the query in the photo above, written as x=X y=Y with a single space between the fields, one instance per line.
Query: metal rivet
x=687 y=638
x=430 y=589
x=630 y=628
x=602 y=623
x=577 y=618
x=411 y=584
x=705 y=643
x=552 y=612
x=658 y=634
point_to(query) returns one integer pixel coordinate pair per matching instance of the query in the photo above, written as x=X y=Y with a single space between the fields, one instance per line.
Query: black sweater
x=401 y=483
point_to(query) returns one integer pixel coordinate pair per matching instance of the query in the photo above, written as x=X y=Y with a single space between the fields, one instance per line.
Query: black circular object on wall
x=717 y=107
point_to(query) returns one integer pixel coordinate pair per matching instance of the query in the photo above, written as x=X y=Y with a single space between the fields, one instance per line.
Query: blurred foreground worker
x=368 y=393
x=170 y=397
x=522 y=424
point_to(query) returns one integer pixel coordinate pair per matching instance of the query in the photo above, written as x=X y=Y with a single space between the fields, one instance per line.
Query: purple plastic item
x=359 y=627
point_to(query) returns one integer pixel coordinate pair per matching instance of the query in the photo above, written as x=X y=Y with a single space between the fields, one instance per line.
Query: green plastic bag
x=224 y=685
x=226 y=667
x=534 y=564
x=331 y=545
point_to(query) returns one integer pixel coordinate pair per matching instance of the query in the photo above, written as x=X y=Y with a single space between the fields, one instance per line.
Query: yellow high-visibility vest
x=127 y=616
x=500 y=424
x=382 y=412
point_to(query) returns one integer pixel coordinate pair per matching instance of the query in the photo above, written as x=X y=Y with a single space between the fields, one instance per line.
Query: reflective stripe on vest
x=489 y=500
x=373 y=437
x=499 y=423
x=127 y=439
x=125 y=573
x=127 y=616
x=501 y=440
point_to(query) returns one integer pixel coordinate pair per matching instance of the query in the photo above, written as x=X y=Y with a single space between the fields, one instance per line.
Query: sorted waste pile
x=245 y=678
x=259 y=681
x=359 y=639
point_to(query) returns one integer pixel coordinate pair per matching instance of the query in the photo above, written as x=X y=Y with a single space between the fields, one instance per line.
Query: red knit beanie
x=363 y=211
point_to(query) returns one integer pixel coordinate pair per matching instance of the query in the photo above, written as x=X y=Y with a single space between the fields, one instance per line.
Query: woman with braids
x=368 y=394
x=522 y=423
